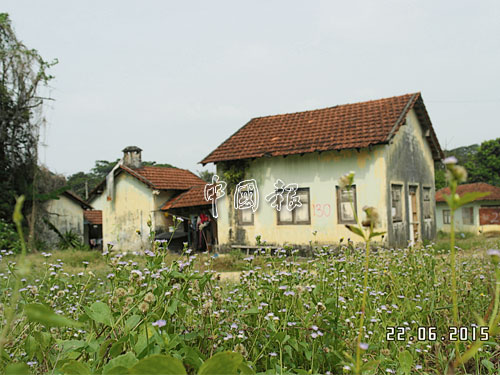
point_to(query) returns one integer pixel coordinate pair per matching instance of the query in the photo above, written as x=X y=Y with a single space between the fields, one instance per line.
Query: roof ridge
x=336 y=106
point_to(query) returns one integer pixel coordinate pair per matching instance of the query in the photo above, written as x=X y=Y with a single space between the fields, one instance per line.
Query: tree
x=485 y=165
x=23 y=75
x=206 y=175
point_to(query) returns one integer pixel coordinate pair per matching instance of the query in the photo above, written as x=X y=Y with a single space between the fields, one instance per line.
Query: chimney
x=132 y=157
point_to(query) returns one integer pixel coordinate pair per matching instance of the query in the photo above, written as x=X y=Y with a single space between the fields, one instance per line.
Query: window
x=468 y=215
x=427 y=203
x=346 y=198
x=299 y=215
x=446 y=217
x=245 y=216
x=397 y=203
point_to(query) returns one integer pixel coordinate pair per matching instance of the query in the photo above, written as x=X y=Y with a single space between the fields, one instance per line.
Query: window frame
x=339 y=201
x=240 y=217
x=294 y=222
x=396 y=219
x=446 y=217
x=471 y=215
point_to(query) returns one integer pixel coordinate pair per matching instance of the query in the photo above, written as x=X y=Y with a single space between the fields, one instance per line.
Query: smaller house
x=479 y=216
x=131 y=198
x=63 y=215
x=202 y=227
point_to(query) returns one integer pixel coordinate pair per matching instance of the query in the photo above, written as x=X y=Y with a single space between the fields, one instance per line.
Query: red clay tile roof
x=336 y=128
x=469 y=188
x=93 y=216
x=192 y=197
x=75 y=197
x=163 y=178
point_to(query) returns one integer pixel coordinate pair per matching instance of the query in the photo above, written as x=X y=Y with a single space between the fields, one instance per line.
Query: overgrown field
x=285 y=314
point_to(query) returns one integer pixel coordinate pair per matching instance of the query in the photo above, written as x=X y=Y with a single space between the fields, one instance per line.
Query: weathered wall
x=410 y=162
x=66 y=215
x=126 y=214
x=459 y=225
x=161 y=220
x=320 y=173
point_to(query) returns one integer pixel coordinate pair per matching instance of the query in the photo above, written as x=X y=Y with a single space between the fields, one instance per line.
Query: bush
x=9 y=239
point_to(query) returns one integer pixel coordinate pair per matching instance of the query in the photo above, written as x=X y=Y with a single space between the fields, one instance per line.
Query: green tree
x=464 y=155
x=485 y=165
x=206 y=175
x=23 y=75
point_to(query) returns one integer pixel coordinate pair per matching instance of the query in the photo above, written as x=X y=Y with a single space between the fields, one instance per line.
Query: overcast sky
x=177 y=78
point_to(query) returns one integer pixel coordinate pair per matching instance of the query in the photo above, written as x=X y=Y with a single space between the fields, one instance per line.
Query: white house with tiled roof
x=133 y=194
x=479 y=216
x=389 y=143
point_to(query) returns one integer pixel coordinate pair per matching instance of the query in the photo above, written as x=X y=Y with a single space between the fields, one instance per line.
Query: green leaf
x=489 y=365
x=42 y=314
x=125 y=360
x=294 y=344
x=173 y=306
x=376 y=234
x=245 y=369
x=356 y=230
x=118 y=370
x=405 y=361
x=221 y=363
x=370 y=366
x=104 y=348
x=132 y=322
x=470 y=197
x=17 y=369
x=100 y=313
x=70 y=345
x=75 y=368
x=31 y=346
x=159 y=365
x=253 y=310
x=116 y=349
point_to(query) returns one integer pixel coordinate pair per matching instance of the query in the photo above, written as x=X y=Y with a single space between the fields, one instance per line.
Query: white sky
x=177 y=78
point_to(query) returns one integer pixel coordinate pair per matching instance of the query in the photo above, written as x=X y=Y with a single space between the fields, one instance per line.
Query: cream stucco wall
x=319 y=173
x=127 y=213
x=66 y=215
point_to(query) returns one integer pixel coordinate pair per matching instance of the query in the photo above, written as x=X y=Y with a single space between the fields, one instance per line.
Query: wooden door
x=413 y=206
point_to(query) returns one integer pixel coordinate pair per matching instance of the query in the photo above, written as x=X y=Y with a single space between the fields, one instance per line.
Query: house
x=131 y=198
x=64 y=215
x=479 y=216
x=389 y=144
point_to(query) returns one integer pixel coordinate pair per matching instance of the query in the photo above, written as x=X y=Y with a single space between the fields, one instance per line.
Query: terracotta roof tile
x=162 y=178
x=190 y=198
x=341 y=127
x=72 y=195
x=93 y=216
x=469 y=188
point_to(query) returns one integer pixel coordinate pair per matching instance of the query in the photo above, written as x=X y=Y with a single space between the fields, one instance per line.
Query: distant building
x=63 y=215
x=480 y=216
x=132 y=194
x=390 y=145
